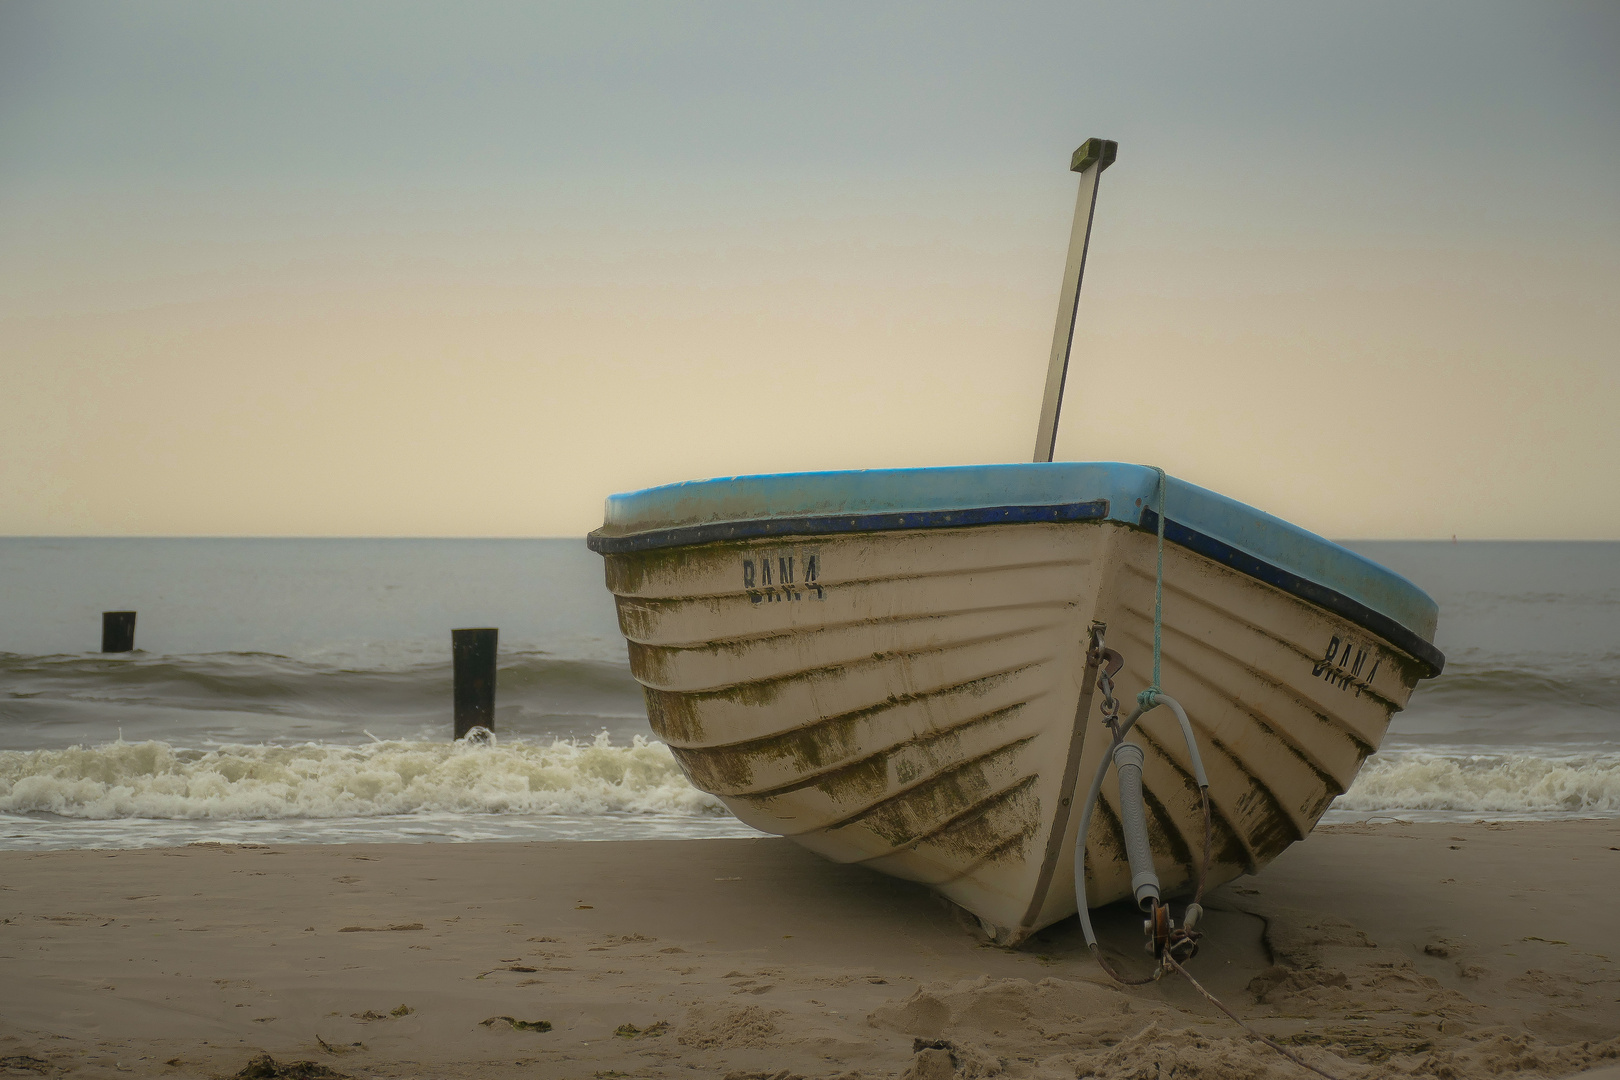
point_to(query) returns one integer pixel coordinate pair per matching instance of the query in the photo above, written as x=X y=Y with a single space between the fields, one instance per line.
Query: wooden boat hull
x=918 y=700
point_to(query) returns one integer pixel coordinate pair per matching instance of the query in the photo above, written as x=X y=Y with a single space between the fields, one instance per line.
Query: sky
x=399 y=269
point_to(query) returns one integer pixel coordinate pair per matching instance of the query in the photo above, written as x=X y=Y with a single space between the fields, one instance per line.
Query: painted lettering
x=1370 y=674
x=784 y=564
x=772 y=576
x=1327 y=658
x=1342 y=662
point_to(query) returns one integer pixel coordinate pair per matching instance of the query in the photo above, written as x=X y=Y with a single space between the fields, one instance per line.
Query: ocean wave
x=1510 y=783
x=154 y=779
x=1594 y=686
x=1580 y=692
x=273 y=684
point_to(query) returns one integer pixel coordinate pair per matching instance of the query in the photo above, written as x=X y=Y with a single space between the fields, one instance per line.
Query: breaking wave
x=1500 y=784
x=155 y=780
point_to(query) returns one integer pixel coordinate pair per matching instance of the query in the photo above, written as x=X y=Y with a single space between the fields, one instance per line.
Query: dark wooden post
x=117 y=631
x=473 y=652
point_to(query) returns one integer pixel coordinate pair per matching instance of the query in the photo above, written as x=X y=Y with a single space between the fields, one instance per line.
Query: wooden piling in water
x=117 y=631
x=473 y=655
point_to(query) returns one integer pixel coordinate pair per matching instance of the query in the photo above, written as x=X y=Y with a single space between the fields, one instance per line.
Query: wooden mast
x=1089 y=161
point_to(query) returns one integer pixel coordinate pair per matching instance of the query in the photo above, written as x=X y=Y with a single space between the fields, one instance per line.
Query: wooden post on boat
x=1089 y=161
x=117 y=631
x=472 y=653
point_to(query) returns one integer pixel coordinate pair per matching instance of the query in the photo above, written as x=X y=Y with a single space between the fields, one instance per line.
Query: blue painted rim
x=1247 y=540
x=684 y=535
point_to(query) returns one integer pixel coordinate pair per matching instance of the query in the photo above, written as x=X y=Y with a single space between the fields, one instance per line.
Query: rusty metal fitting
x=1158 y=929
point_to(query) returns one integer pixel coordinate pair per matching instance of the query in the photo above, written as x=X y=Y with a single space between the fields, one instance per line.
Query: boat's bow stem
x=1165 y=937
x=1170 y=944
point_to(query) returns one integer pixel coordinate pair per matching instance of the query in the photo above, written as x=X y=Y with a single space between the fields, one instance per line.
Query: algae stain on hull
x=921 y=721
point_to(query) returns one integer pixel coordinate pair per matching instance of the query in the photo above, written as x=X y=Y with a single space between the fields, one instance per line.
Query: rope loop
x=1148 y=698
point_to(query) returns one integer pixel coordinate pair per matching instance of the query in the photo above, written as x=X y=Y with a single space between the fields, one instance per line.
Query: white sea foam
x=1503 y=784
x=256 y=782
x=156 y=780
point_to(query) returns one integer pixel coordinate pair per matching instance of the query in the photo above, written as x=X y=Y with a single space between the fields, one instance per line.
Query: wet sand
x=1376 y=950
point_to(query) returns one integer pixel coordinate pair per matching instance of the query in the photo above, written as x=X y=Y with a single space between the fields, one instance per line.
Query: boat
x=912 y=669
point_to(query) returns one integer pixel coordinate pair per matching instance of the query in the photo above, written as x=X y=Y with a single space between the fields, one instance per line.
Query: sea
x=299 y=691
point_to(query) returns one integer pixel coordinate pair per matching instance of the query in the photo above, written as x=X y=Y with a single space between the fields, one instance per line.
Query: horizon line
x=1455 y=539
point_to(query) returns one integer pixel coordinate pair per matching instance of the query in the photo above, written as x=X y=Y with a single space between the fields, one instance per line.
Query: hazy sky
x=465 y=269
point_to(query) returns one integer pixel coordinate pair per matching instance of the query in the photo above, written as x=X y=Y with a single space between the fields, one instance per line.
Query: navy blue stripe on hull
x=1305 y=589
x=686 y=535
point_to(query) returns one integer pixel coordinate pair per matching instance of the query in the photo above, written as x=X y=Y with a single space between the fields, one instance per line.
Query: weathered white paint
x=913 y=706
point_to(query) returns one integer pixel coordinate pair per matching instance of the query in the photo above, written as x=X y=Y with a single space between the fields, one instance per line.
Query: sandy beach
x=1376 y=950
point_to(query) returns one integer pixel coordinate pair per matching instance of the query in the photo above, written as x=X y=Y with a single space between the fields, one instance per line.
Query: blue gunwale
x=1251 y=541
